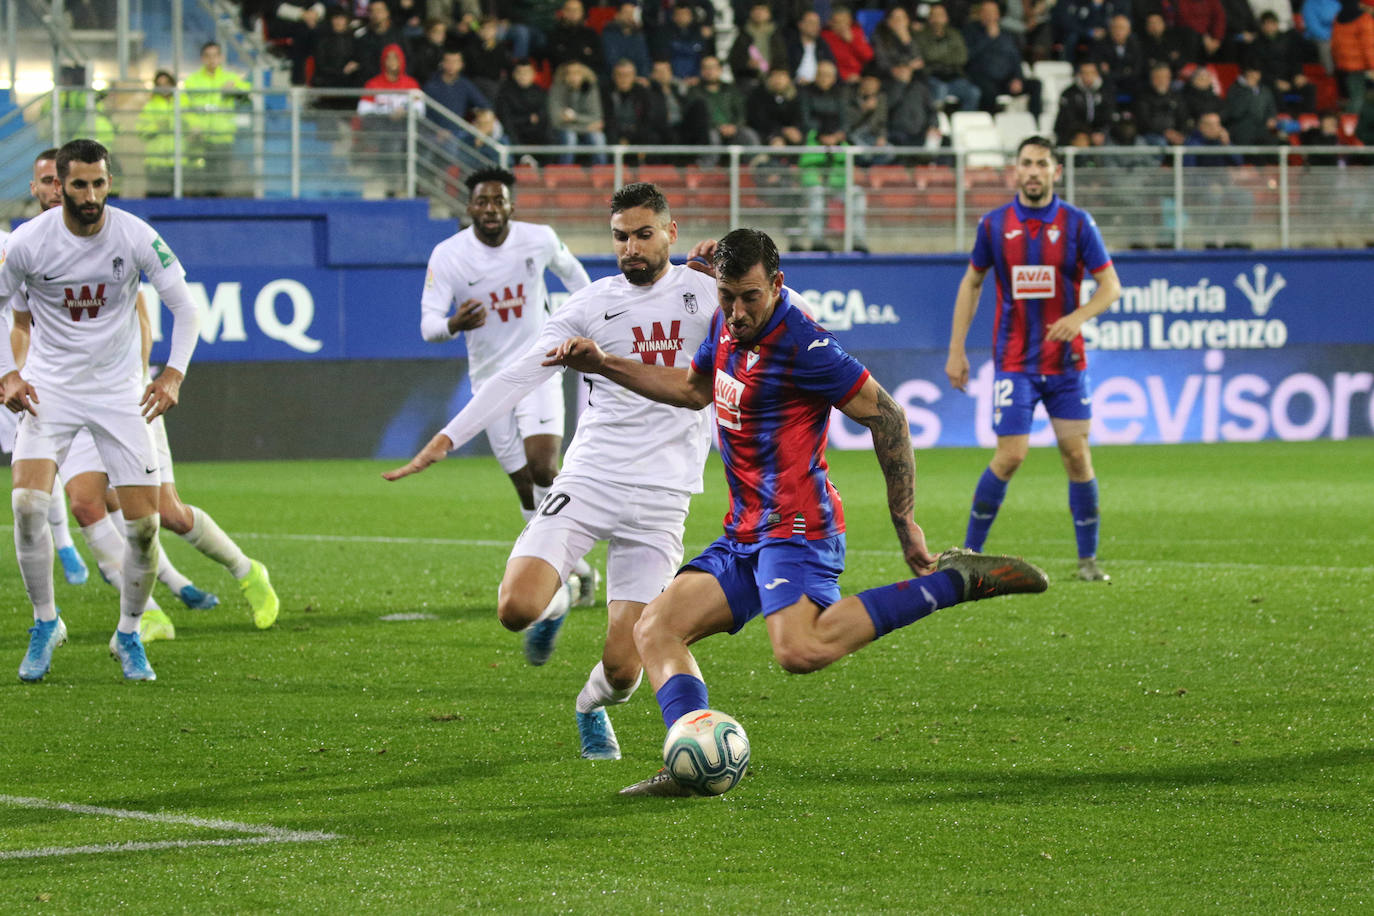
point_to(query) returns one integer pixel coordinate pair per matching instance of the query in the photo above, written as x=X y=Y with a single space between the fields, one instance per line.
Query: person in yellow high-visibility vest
x=212 y=93
x=156 y=126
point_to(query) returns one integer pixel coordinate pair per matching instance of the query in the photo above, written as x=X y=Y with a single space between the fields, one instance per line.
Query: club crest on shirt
x=117 y=268
x=529 y=266
x=1052 y=234
x=1032 y=281
x=729 y=392
x=689 y=302
x=750 y=359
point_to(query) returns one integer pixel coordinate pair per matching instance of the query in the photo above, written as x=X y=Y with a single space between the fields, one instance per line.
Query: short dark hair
x=82 y=150
x=741 y=249
x=1038 y=140
x=49 y=153
x=209 y=44
x=639 y=194
x=482 y=176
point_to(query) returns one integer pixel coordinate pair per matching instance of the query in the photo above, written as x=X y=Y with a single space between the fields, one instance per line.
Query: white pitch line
x=262 y=833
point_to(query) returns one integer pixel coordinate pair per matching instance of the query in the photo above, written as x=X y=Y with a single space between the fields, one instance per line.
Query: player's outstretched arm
x=436 y=450
x=678 y=387
x=965 y=306
x=1108 y=290
x=874 y=408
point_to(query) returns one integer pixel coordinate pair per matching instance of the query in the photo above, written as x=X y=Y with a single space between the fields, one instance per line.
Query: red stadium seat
x=884 y=176
x=565 y=175
x=602 y=176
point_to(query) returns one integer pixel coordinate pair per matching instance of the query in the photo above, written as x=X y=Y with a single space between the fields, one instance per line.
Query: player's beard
x=490 y=236
x=85 y=214
x=1039 y=197
x=642 y=275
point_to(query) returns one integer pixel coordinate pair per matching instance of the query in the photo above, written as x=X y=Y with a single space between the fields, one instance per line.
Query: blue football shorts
x=774 y=573
x=1015 y=394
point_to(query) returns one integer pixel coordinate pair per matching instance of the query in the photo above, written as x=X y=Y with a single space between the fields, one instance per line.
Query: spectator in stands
x=775 y=110
x=1120 y=60
x=1249 y=113
x=725 y=112
x=995 y=60
x=1209 y=132
x=372 y=39
x=1278 y=55
x=575 y=113
x=480 y=149
x=806 y=49
x=758 y=49
x=1206 y=18
x=894 y=41
x=1352 y=51
x=1215 y=203
x=823 y=105
x=1364 y=127
x=522 y=106
x=1028 y=21
x=623 y=39
x=426 y=53
x=384 y=106
x=685 y=114
x=848 y=43
x=634 y=117
x=1175 y=46
x=1326 y=132
x=572 y=39
x=912 y=118
x=336 y=64
x=866 y=116
x=1200 y=94
x=486 y=55
x=156 y=126
x=1241 y=29
x=292 y=28
x=410 y=15
x=822 y=174
x=1318 y=16
x=684 y=42
x=213 y=93
x=946 y=55
x=453 y=92
x=1085 y=106
x=1079 y=24
x=1161 y=117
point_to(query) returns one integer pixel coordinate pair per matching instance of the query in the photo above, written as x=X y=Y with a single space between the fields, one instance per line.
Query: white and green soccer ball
x=706 y=751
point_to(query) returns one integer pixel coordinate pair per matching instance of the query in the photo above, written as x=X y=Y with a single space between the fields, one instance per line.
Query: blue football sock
x=902 y=603
x=1083 y=506
x=987 y=499
x=680 y=695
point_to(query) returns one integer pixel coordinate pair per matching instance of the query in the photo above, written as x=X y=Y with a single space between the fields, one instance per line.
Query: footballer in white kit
x=633 y=464
x=487 y=282
x=79 y=265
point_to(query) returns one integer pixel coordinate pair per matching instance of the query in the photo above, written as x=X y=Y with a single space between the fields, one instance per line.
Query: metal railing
x=315 y=143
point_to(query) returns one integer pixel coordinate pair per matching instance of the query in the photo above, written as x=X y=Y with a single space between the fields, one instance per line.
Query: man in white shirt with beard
x=80 y=265
x=633 y=464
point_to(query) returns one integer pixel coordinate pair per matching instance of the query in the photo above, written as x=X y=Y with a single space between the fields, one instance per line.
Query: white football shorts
x=642 y=525
x=122 y=439
x=9 y=426
x=539 y=413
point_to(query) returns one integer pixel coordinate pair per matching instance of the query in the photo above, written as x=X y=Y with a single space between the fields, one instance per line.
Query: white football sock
x=539 y=494
x=599 y=692
x=33 y=548
x=556 y=608
x=209 y=539
x=582 y=567
x=140 y=565
x=117 y=516
x=169 y=575
x=107 y=544
x=57 y=517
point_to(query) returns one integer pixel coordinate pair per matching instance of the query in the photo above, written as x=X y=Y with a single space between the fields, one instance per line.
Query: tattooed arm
x=874 y=408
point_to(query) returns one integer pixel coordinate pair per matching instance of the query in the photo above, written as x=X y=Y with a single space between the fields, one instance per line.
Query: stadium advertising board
x=1201 y=346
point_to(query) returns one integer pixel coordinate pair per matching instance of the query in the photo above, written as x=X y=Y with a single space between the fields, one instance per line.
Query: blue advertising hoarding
x=1202 y=346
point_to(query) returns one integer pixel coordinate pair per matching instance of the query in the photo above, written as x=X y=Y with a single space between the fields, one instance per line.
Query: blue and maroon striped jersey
x=1037 y=257
x=773 y=400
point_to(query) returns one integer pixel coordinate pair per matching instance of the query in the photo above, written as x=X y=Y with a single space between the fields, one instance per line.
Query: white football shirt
x=81 y=291
x=621 y=437
x=509 y=278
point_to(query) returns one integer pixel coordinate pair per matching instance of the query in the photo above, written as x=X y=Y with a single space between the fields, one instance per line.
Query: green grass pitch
x=1195 y=737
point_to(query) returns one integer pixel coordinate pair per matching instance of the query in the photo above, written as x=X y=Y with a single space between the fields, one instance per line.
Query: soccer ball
x=706 y=751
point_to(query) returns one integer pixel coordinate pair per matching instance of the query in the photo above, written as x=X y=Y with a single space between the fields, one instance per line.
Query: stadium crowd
x=790 y=73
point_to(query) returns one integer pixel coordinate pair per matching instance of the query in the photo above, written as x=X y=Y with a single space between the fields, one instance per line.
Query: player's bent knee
x=622 y=674
x=516 y=613
x=30 y=510
x=543 y=476
x=142 y=533
x=88 y=513
x=800 y=659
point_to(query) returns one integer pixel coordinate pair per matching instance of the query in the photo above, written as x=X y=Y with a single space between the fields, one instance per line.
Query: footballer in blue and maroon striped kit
x=1037 y=247
x=773 y=375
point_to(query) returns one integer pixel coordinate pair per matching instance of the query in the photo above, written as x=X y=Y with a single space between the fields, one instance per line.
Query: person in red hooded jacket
x=383 y=108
